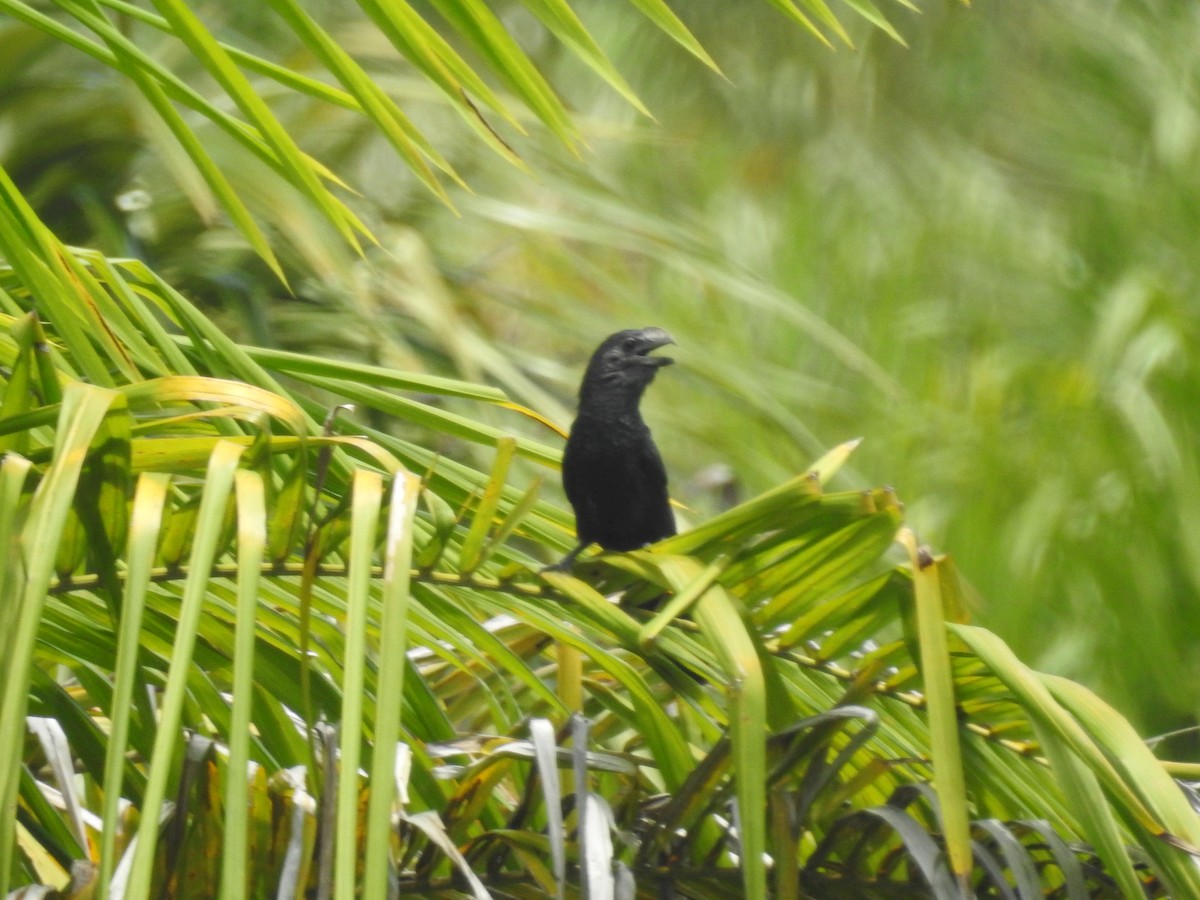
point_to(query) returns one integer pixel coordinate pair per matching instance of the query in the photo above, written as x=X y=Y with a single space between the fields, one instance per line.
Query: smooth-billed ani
x=612 y=472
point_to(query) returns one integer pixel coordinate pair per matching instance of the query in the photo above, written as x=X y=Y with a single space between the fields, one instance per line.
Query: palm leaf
x=784 y=630
x=261 y=133
x=199 y=576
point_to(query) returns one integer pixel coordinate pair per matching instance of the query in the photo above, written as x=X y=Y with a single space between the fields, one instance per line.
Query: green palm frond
x=109 y=32
x=258 y=643
x=196 y=555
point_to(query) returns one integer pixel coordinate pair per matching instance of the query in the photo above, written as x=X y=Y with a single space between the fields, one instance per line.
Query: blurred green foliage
x=977 y=252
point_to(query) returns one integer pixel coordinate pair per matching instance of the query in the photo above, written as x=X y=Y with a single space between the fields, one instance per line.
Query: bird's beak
x=652 y=339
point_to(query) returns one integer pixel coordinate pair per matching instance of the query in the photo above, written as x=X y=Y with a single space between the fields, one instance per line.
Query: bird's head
x=622 y=364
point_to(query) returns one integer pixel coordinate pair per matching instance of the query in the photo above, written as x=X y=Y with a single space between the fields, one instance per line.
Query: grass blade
x=145 y=525
x=945 y=746
x=1146 y=775
x=1099 y=826
x=82 y=416
x=664 y=17
x=366 y=498
x=14 y=470
x=479 y=26
x=471 y=555
x=561 y=20
x=252 y=537
x=188 y=28
x=719 y=619
x=205 y=549
x=389 y=696
x=388 y=117
x=545 y=750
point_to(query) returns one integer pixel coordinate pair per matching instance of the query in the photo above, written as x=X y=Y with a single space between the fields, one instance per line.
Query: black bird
x=612 y=472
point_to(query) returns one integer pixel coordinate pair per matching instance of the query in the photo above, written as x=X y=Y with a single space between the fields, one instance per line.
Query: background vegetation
x=976 y=252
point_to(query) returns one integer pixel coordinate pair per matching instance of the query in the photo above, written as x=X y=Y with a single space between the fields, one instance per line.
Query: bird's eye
x=630 y=343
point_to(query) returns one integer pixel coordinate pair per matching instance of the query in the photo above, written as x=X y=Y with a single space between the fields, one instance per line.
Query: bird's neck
x=612 y=405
